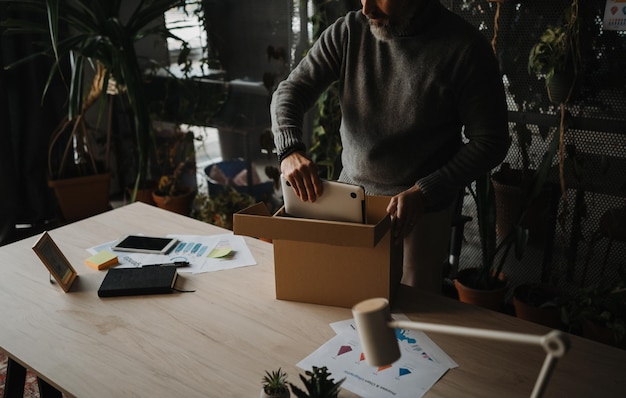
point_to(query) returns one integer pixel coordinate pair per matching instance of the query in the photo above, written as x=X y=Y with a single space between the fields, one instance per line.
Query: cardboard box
x=328 y=262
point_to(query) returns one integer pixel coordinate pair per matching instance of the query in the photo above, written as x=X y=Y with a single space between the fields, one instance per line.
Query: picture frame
x=55 y=261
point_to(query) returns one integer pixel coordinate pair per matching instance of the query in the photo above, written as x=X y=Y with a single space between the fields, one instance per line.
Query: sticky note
x=102 y=260
x=220 y=252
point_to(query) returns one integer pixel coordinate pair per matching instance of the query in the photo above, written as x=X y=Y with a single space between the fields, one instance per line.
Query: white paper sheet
x=422 y=363
x=230 y=251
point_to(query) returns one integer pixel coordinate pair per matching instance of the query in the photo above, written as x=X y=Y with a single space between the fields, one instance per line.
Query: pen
x=174 y=264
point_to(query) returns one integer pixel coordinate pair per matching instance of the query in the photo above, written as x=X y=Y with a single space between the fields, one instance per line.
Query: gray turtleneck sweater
x=406 y=104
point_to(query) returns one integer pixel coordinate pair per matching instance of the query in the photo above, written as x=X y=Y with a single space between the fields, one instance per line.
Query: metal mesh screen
x=595 y=164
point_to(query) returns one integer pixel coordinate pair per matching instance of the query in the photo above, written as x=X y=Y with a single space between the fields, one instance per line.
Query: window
x=187 y=23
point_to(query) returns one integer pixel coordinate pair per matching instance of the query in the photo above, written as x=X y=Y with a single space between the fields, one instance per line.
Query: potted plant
x=92 y=32
x=275 y=385
x=176 y=187
x=556 y=56
x=318 y=384
x=512 y=187
x=218 y=209
x=79 y=180
x=538 y=303
x=598 y=312
x=551 y=58
x=485 y=285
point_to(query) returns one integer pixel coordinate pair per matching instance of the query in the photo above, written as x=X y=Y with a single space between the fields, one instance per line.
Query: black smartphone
x=145 y=244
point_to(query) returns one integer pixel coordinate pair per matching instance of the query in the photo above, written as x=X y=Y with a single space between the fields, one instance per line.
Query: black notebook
x=138 y=281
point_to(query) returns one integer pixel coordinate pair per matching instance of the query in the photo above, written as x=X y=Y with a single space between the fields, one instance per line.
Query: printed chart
x=421 y=365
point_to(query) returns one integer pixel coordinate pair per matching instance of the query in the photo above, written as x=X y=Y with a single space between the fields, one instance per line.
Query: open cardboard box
x=328 y=262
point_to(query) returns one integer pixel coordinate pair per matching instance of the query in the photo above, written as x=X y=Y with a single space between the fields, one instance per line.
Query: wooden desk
x=218 y=341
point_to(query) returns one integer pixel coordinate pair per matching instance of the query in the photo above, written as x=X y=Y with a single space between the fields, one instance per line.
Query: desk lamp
x=380 y=345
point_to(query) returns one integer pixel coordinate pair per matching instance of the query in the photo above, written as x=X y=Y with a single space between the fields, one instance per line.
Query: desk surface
x=218 y=341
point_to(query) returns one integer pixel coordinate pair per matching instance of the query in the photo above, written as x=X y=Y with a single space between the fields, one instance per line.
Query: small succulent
x=275 y=382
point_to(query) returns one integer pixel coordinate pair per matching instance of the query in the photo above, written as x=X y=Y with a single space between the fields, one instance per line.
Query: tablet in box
x=339 y=202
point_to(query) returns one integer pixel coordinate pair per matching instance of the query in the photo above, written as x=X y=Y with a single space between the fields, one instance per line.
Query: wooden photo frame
x=56 y=262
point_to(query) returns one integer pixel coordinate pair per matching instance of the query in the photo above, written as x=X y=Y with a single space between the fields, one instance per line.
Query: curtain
x=25 y=127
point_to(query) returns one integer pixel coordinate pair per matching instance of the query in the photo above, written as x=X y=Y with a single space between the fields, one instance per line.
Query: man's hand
x=406 y=208
x=301 y=173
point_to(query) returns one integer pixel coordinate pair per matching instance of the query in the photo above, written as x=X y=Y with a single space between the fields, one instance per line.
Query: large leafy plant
x=318 y=384
x=493 y=262
x=602 y=304
x=87 y=33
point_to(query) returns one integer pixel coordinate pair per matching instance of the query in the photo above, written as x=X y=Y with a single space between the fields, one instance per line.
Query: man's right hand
x=301 y=173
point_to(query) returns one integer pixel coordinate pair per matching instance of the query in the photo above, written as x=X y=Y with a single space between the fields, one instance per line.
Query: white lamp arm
x=376 y=331
x=554 y=343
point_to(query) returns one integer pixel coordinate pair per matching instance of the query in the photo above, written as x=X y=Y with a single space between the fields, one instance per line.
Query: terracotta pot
x=600 y=333
x=491 y=299
x=144 y=194
x=180 y=204
x=82 y=197
x=509 y=196
x=527 y=301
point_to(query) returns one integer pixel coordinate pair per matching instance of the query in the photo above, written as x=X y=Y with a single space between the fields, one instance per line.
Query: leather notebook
x=138 y=281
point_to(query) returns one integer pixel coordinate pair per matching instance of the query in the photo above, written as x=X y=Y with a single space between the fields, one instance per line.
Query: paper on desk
x=420 y=366
x=205 y=253
x=414 y=341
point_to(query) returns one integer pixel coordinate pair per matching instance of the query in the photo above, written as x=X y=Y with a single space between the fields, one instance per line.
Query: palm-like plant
x=90 y=33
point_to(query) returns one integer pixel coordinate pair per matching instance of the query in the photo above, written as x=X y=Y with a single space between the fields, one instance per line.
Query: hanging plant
x=556 y=58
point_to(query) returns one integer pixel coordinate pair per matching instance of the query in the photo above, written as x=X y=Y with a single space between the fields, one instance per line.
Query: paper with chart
x=422 y=363
x=205 y=253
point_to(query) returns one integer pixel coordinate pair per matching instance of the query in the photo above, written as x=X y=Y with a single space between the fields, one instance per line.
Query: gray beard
x=391 y=30
x=381 y=32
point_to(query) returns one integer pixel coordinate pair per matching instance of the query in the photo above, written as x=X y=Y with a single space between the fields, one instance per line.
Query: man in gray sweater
x=423 y=115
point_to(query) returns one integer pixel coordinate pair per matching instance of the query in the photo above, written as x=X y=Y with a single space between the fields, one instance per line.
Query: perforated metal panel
x=595 y=136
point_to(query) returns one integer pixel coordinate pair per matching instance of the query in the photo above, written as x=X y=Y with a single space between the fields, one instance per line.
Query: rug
x=31 y=390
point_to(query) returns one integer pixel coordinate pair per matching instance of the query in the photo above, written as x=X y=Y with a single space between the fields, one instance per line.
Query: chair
x=611 y=226
x=451 y=265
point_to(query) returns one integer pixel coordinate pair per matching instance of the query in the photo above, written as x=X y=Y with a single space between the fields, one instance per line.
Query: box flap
x=256 y=221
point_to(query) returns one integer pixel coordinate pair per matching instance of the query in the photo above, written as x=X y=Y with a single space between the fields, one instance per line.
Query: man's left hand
x=406 y=208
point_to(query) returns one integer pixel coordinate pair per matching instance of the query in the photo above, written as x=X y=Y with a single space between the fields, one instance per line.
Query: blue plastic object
x=231 y=168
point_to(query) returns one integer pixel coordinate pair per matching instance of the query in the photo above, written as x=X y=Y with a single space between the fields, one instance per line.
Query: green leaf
x=76 y=86
x=52 y=7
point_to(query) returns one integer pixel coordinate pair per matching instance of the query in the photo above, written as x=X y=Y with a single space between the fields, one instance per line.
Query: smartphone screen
x=145 y=244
